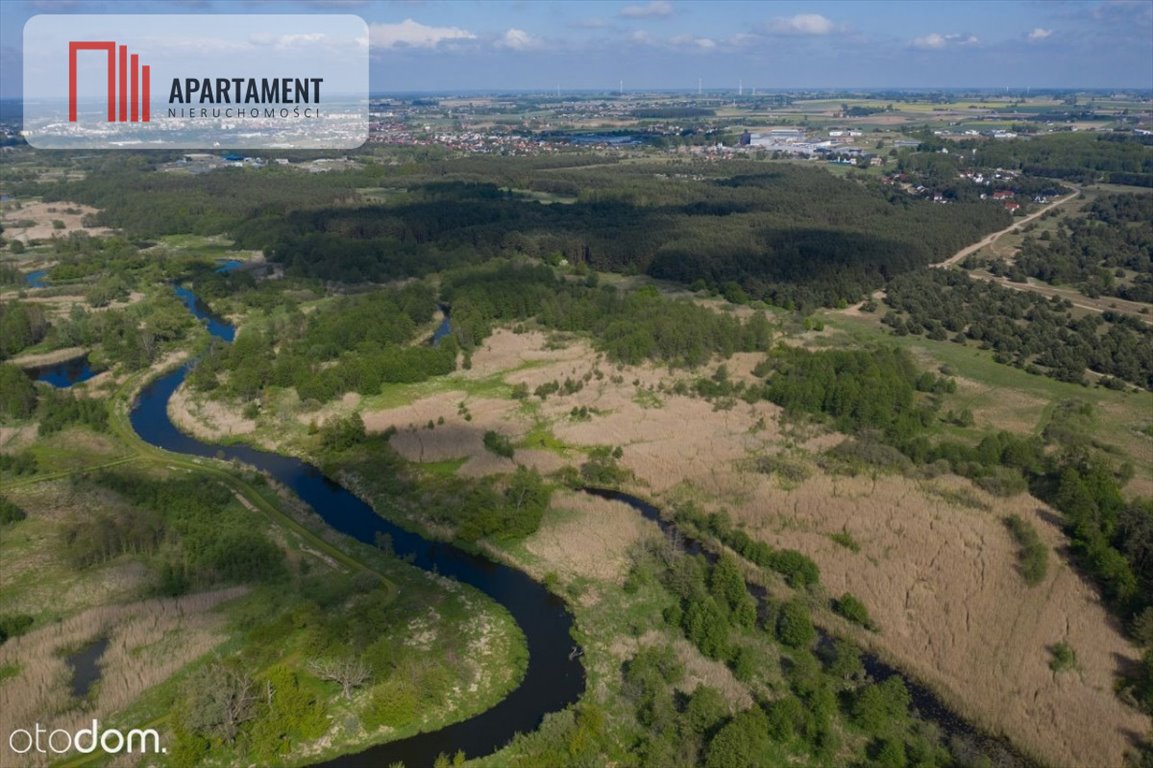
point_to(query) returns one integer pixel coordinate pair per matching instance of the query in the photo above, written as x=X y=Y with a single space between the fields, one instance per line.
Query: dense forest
x=1108 y=251
x=354 y=344
x=1023 y=329
x=791 y=235
x=788 y=234
x=1121 y=158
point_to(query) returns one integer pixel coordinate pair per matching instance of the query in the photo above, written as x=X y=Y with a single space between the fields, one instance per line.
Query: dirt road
x=990 y=239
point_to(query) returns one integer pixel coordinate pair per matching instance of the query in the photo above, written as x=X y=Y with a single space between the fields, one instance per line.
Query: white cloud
x=519 y=40
x=291 y=41
x=935 y=41
x=1040 y=34
x=801 y=24
x=654 y=8
x=694 y=43
x=930 y=41
x=413 y=34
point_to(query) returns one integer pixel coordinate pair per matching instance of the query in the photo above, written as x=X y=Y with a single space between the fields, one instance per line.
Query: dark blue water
x=85 y=665
x=37 y=278
x=552 y=680
x=64 y=374
x=445 y=327
x=228 y=265
x=216 y=326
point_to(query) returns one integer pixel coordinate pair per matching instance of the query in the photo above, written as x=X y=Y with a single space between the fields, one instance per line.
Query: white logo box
x=196 y=81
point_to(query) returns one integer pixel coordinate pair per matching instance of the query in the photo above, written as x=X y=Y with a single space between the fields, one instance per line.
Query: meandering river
x=554 y=677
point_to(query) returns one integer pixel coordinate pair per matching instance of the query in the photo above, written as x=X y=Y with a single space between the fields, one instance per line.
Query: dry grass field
x=588 y=536
x=938 y=576
x=206 y=419
x=34 y=221
x=148 y=642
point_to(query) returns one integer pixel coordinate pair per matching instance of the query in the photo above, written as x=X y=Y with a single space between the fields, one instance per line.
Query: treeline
x=792 y=236
x=22 y=325
x=134 y=336
x=629 y=326
x=858 y=388
x=135 y=197
x=509 y=507
x=1084 y=158
x=1024 y=329
x=1095 y=252
x=56 y=410
x=1112 y=538
x=353 y=344
x=192 y=532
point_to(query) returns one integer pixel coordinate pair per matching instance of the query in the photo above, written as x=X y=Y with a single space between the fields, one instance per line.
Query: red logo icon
x=137 y=93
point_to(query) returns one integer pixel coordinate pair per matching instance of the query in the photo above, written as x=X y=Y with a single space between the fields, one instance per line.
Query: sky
x=463 y=45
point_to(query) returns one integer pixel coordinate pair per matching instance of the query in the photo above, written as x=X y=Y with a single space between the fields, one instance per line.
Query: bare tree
x=220 y=699
x=348 y=672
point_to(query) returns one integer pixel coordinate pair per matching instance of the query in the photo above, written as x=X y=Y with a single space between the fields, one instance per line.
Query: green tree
x=794 y=627
x=743 y=743
x=17 y=393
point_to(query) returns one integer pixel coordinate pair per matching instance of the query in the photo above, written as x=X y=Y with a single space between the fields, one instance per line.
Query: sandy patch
x=683 y=440
x=60 y=306
x=540 y=460
x=206 y=419
x=49 y=358
x=41 y=216
x=940 y=580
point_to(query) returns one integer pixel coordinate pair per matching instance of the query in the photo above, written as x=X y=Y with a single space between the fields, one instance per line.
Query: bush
x=17 y=393
x=1001 y=481
x=13 y=624
x=1064 y=658
x=9 y=512
x=1033 y=556
x=798 y=569
x=498 y=444
x=794 y=627
x=853 y=610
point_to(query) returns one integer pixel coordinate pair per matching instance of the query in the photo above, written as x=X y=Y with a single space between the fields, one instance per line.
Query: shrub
x=794 y=627
x=1033 y=556
x=13 y=624
x=1064 y=658
x=798 y=570
x=498 y=444
x=9 y=512
x=853 y=610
